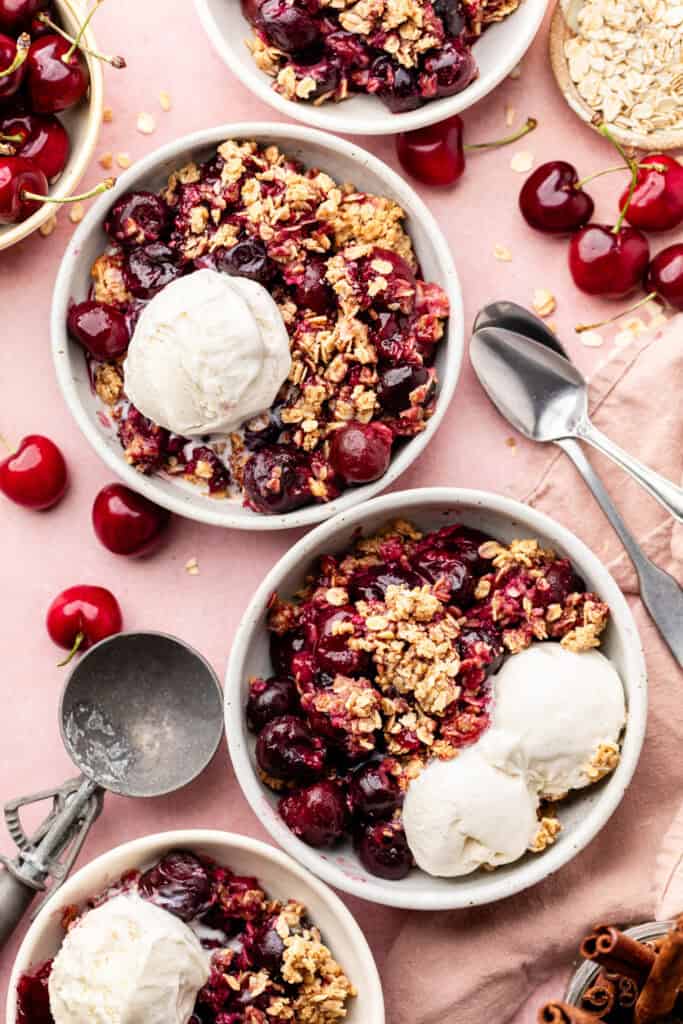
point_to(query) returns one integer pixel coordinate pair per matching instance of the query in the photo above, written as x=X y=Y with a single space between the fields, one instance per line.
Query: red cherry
x=551 y=202
x=35 y=475
x=361 y=452
x=44 y=140
x=665 y=275
x=126 y=523
x=101 y=329
x=435 y=154
x=13 y=54
x=21 y=181
x=609 y=263
x=18 y=13
x=251 y=9
x=657 y=202
x=57 y=75
x=81 y=616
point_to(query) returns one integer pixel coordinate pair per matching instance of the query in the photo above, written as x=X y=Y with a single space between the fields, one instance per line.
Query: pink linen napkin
x=496 y=964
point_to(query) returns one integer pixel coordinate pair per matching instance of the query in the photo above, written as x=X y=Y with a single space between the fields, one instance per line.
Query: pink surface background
x=41 y=554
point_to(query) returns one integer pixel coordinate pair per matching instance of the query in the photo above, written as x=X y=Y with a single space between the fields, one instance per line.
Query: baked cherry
x=374 y=792
x=451 y=571
x=149 y=268
x=450 y=70
x=371 y=584
x=284 y=649
x=287 y=27
x=482 y=644
x=608 y=261
x=333 y=654
x=101 y=329
x=287 y=750
x=33 y=996
x=361 y=452
x=16 y=14
x=665 y=275
x=251 y=9
x=657 y=201
x=435 y=155
x=552 y=200
x=179 y=883
x=13 y=54
x=127 y=523
x=41 y=139
x=81 y=616
x=248 y=258
x=57 y=75
x=313 y=291
x=34 y=476
x=558 y=583
x=383 y=850
x=266 y=946
x=269 y=699
x=277 y=480
x=397 y=384
x=396 y=86
x=136 y=219
x=452 y=15
x=317 y=814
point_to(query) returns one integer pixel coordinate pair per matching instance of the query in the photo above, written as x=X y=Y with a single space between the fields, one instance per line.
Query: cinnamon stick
x=601 y=997
x=618 y=953
x=627 y=993
x=661 y=989
x=563 y=1013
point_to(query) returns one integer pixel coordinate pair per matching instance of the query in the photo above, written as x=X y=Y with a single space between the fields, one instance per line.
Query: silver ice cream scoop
x=141 y=714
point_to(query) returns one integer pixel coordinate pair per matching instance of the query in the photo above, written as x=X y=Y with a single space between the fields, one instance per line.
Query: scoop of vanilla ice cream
x=208 y=352
x=127 y=962
x=563 y=707
x=477 y=809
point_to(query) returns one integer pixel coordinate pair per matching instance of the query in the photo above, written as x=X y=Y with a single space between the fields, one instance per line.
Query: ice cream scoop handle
x=661 y=594
x=15 y=899
x=663 y=490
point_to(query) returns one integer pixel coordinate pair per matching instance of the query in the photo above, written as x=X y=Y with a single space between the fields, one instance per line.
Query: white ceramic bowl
x=83 y=125
x=498 y=51
x=342 y=160
x=281 y=877
x=583 y=815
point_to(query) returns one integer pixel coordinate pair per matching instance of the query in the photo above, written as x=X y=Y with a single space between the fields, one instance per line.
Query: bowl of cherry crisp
x=259 y=327
x=437 y=699
x=371 y=67
x=51 y=94
x=194 y=927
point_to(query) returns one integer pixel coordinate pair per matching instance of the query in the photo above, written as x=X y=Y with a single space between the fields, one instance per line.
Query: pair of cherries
x=613 y=260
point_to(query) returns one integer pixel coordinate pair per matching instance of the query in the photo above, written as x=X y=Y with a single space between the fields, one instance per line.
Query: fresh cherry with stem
x=127 y=523
x=81 y=616
x=435 y=155
x=552 y=199
x=13 y=54
x=42 y=139
x=35 y=475
x=663 y=281
x=15 y=14
x=46 y=21
x=57 y=75
x=24 y=188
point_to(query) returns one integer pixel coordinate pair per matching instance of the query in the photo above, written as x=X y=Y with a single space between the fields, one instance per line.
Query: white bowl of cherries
x=52 y=105
x=253 y=909
x=329 y=720
x=364 y=283
x=339 y=68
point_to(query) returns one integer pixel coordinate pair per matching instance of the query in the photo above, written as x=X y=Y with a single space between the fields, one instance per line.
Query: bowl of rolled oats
x=202 y=922
x=374 y=689
x=620 y=62
x=260 y=327
x=371 y=67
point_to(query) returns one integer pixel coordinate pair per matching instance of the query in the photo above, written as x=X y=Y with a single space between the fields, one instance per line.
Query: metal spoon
x=141 y=714
x=660 y=593
x=546 y=398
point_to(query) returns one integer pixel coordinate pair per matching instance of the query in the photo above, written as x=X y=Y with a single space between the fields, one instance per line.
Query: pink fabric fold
x=496 y=965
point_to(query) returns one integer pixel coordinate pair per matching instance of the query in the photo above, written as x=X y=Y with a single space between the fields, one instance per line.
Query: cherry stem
x=529 y=126
x=23 y=46
x=80 y=637
x=603 y=323
x=45 y=19
x=103 y=186
x=633 y=168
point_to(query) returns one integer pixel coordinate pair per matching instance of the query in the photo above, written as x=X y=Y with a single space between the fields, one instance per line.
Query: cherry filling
x=179 y=883
x=347 y=720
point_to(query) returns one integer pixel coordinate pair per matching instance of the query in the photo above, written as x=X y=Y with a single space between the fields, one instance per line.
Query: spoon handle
x=666 y=493
x=660 y=593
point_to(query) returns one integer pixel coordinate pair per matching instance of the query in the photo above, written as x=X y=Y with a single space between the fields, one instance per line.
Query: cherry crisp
x=269 y=964
x=406 y=52
x=383 y=661
x=363 y=324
